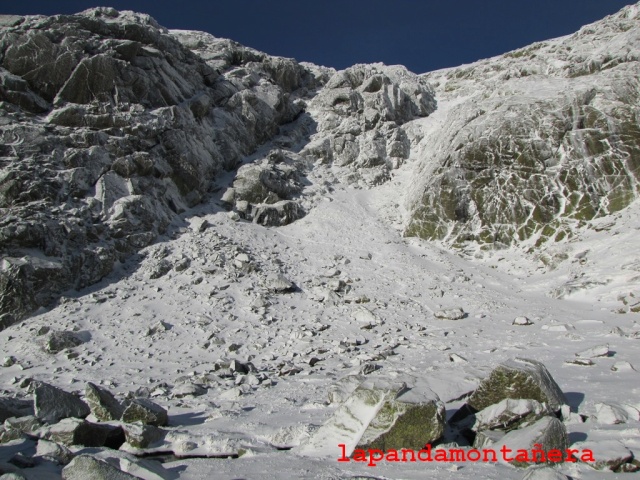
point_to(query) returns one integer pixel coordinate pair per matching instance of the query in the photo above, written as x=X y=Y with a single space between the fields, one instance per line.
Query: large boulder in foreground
x=510 y=414
x=380 y=415
x=52 y=404
x=519 y=378
x=85 y=466
x=146 y=412
x=547 y=434
x=103 y=404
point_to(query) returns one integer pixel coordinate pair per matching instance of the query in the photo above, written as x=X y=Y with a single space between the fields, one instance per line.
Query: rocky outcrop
x=360 y=114
x=111 y=126
x=540 y=141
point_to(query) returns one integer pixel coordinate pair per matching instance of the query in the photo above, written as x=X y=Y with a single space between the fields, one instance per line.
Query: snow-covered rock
x=509 y=414
x=519 y=378
x=379 y=415
x=546 y=434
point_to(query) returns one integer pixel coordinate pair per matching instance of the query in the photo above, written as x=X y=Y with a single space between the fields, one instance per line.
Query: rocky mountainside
x=534 y=143
x=112 y=125
x=216 y=255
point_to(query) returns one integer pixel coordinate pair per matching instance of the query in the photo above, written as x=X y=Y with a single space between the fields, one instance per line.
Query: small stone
x=521 y=321
x=279 y=284
x=583 y=362
x=242 y=258
x=43 y=330
x=455 y=358
x=188 y=390
x=594 y=352
x=450 y=314
x=57 y=341
x=158 y=327
x=8 y=361
x=198 y=224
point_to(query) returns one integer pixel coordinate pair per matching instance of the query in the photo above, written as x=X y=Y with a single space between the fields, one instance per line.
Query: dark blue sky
x=424 y=35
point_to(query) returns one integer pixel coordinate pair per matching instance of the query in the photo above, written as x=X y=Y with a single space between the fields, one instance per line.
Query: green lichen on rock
x=401 y=425
x=383 y=415
x=506 y=171
x=518 y=379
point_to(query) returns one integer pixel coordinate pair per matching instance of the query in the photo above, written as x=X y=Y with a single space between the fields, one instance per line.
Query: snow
x=406 y=280
x=219 y=308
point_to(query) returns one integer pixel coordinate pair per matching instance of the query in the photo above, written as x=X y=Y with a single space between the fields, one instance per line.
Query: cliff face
x=112 y=126
x=535 y=143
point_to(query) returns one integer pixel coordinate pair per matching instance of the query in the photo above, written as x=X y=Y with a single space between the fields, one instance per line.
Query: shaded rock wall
x=110 y=126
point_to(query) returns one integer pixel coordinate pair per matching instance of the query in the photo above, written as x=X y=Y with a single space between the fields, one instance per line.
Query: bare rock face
x=111 y=126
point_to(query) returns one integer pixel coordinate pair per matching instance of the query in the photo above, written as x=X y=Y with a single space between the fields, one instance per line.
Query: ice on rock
x=510 y=414
x=382 y=415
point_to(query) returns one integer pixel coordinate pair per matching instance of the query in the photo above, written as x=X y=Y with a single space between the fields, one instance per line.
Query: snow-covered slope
x=252 y=312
